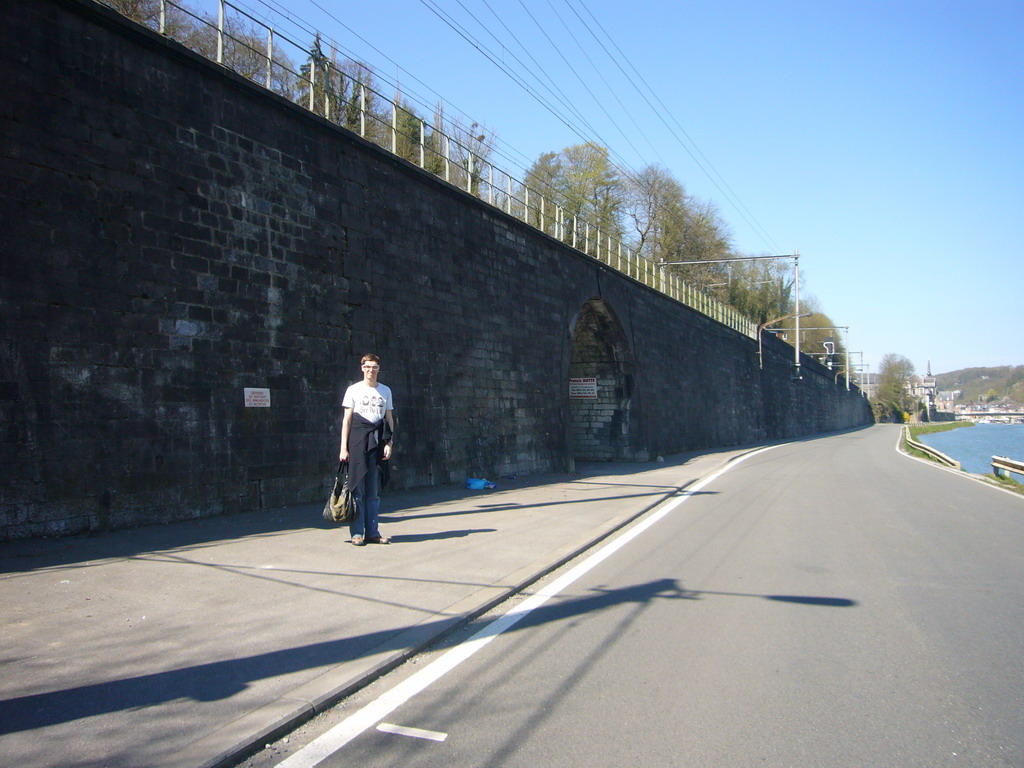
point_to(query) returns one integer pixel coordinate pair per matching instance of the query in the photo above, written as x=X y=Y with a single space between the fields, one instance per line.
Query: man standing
x=366 y=434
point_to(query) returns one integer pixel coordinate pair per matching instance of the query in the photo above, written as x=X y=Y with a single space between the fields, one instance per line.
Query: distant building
x=868 y=383
x=924 y=390
x=946 y=400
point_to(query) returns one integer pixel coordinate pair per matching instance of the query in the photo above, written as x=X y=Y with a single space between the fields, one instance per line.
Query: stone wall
x=175 y=234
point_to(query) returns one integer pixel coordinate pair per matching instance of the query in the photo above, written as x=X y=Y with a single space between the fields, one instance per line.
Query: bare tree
x=655 y=206
x=761 y=290
x=179 y=20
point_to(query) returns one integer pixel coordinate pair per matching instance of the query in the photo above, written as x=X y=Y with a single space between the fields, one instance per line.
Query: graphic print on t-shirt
x=371 y=407
x=369 y=402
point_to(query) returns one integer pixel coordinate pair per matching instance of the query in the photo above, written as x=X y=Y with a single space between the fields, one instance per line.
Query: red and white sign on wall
x=583 y=389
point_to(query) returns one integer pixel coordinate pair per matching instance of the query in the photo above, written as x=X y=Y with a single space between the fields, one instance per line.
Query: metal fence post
x=328 y=78
x=447 y=159
x=312 y=83
x=394 y=127
x=220 y=32
x=270 y=57
x=362 y=110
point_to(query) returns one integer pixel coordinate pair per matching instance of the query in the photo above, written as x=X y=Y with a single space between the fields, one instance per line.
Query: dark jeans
x=367 y=495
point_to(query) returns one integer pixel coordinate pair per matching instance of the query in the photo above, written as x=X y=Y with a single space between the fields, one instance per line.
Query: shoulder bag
x=341 y=505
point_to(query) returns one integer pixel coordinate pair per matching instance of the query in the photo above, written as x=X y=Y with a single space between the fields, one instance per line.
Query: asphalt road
x=828 y=602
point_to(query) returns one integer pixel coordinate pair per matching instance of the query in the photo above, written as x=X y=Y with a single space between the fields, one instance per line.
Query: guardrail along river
x=975 y=446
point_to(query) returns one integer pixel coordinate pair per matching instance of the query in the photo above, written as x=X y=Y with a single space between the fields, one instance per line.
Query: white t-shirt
x=369 y=402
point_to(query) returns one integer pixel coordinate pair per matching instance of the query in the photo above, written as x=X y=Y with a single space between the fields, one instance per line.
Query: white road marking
x=416 y=733
x=330 y=742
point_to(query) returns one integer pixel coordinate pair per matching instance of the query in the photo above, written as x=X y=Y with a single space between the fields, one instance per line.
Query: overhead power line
x=536 y=81
x=713 y=175
x=587 y=130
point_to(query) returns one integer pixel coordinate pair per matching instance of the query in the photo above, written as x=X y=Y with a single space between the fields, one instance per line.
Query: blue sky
x=883 y=140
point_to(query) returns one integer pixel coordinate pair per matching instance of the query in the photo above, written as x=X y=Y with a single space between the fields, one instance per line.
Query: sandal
x=379 y=540
x=358 y=541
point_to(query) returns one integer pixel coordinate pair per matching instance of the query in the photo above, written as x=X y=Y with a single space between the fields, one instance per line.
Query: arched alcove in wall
x=601 y=396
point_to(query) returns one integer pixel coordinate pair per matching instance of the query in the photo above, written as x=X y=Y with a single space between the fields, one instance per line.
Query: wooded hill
x=986 y=384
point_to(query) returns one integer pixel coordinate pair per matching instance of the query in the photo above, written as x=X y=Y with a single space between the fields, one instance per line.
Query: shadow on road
x=222 y=679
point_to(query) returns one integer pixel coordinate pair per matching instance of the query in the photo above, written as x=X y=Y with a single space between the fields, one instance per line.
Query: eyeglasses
x=371 y=367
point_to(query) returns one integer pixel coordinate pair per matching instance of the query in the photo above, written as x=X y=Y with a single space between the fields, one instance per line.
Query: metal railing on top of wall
x=343 y=98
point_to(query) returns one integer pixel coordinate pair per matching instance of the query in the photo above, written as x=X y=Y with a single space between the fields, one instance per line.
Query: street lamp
x=844 y=328
x=860 y=369
x=765 y=324
x=795 y=256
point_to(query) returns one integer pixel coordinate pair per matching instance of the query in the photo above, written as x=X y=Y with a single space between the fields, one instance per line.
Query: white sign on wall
x=583 y=389
x=256 y=397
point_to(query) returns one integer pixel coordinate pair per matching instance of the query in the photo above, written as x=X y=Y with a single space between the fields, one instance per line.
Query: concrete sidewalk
x=189 y=644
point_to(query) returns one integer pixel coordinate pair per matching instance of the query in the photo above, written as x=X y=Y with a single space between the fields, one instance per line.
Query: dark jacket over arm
x=365 y=441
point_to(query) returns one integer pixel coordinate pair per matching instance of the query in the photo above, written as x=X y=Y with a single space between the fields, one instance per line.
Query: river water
x=975 y=446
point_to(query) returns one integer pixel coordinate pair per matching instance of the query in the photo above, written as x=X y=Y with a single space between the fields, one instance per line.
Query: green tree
x=408 y=125
x=583 y=182
x=356 y=95
x=543 y=178
x=894 y=371
x=818 y=335
x=318 y=90
x=434 y=155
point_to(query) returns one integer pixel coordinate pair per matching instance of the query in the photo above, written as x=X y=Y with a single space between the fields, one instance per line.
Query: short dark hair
x=371 y=358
